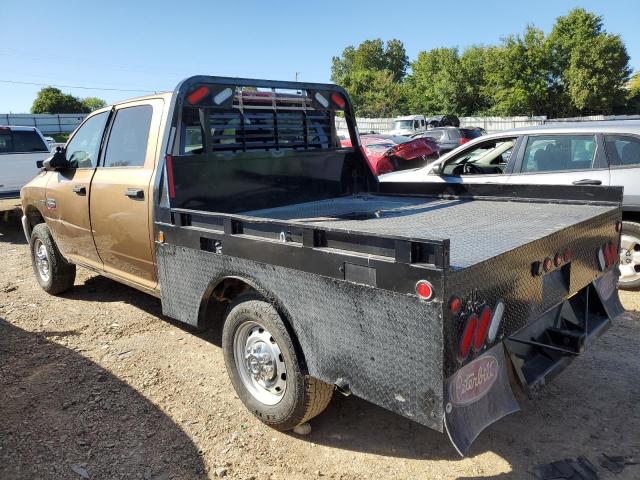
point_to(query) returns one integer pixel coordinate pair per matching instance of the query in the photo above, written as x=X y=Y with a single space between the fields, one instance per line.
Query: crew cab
x=20 y=148
x=585 y=153
x=233 y=201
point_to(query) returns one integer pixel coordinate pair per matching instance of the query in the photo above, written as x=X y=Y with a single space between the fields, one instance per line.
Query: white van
x=408 y=125
x=20 y=148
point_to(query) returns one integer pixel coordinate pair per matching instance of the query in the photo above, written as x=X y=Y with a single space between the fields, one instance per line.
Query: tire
x=254 y=322
x=630 y=256
x=54 y=274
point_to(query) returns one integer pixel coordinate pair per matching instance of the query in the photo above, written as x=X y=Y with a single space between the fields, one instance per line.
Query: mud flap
x=476 y=396
x=606 y=286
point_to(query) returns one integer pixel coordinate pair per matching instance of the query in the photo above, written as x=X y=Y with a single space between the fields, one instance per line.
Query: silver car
x=588 y=153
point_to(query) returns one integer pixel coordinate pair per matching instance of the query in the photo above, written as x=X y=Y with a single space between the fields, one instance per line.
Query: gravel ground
x=98 y=384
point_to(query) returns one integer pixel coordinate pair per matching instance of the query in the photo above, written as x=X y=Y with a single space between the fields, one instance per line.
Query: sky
x=144 y=46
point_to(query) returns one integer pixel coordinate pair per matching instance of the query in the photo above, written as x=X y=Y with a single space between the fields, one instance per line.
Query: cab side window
x=83 y=148
x=548 y=153
x=622 y=150
x=127 y=146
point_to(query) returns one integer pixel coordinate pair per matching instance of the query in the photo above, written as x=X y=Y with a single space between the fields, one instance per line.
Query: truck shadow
x=60 y=410
x=585 y=411
x=11 y=231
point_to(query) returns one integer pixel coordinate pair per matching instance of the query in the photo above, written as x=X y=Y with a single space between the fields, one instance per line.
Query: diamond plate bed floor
x=477 y=229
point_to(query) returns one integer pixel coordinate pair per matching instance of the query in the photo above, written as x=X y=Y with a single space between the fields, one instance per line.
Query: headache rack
x=236 y=117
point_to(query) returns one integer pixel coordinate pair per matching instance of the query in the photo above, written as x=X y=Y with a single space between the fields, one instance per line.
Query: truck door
x=67 y=194
x=120 y=193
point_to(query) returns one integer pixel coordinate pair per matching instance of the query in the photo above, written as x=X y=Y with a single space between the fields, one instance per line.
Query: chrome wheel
x=41 y=257
x=629 y=259
x=260 y=363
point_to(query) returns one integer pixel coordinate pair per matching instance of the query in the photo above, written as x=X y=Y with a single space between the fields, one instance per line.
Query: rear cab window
x=549 y=153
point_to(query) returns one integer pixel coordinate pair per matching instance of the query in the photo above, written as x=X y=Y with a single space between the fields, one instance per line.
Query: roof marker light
x=197 y=95
x=321 y=99
x=222 y=96
x=338 y=100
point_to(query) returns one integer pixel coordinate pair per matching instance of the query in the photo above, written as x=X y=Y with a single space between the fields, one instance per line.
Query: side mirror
x=58 y=161
x=437 y=169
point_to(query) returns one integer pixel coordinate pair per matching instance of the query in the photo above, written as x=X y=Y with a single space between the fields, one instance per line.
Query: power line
x=77 y=86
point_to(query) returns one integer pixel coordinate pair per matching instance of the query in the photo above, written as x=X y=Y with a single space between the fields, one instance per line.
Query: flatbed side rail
x=385 y=261
x=580 y=194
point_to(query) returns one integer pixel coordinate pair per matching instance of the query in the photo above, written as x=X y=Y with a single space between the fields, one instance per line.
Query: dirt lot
x=97 y=384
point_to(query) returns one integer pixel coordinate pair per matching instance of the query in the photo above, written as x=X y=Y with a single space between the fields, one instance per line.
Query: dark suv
x=449 y=138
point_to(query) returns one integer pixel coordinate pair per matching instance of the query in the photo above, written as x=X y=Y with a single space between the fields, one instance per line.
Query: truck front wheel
x=265 y=369
x=54 y=274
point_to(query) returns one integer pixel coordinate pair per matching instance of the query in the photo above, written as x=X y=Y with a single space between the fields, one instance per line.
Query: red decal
x=172 y=192
x=474 y=380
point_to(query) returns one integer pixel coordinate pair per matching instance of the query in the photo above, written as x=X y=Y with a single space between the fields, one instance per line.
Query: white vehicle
x=409 y=125
x=585 y=153
x=20 y=148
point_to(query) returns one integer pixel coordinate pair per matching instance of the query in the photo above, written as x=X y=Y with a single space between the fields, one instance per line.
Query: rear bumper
x=546 y=346
x=479 y=393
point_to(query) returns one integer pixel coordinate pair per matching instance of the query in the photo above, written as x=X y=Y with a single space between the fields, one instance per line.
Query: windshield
x=403 y=124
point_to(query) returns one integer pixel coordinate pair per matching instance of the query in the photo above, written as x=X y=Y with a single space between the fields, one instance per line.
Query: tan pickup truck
x=234 y=201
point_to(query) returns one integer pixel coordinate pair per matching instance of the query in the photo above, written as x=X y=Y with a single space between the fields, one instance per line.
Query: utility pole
x=297 y=73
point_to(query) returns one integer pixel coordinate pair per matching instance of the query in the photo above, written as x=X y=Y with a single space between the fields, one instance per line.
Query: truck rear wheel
x=630 y=256
x=265 y=369
x=54 y=274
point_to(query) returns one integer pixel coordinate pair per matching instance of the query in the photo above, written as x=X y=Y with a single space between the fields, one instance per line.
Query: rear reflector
x=171 y=187
x=455 y=304
x=483 y=328
x=197 y=95
x=424 y=290
x=467 y=337
x=496 y=320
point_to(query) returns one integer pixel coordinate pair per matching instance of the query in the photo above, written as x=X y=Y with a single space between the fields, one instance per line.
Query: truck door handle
x=588 y=181
x=134 y=193
x=80 y=190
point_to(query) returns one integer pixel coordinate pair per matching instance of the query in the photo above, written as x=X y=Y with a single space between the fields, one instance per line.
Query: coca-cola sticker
x=474 y=380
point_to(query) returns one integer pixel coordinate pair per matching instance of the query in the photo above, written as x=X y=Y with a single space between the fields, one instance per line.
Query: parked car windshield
x=402 y=124
x=486 y=158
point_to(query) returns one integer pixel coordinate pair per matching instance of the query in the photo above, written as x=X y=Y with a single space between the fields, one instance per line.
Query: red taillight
x=424 y=290
x=338 y=100
x=169 y=164
x=467 y=337
x=547 y=264
x=197 y=95
x=455 y=304
x=483 y=328
x=463 y=140
x=607 y=255
x=557 y=260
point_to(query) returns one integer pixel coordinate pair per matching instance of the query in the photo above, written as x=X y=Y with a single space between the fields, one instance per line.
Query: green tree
x=94 y=103
x=52 y=100
x=633 y=94
x=372 y=74
x=590 y=66
x=517 y=75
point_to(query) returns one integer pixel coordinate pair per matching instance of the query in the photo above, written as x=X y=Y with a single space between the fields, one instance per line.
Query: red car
x=388 y=153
